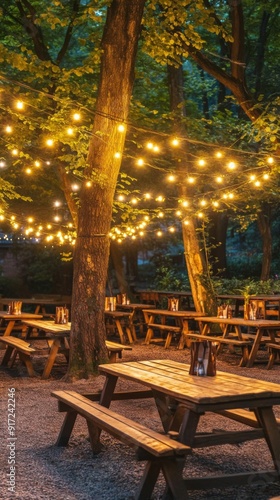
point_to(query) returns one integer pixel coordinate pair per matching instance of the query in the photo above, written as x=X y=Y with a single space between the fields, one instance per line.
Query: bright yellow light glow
x=191 y=180
x=140 y=162
x=28 y=171
x=117 y=155
x=156 y=149
x=70 y=131
x=149 y=145
x=14 y=152
x=265 y=177
x=19 y=105
x=75 y=187
x=161 y=215
x=134 y=201
x=257 y=184
x=171 y=229
x=159 y=233
x=270 y=160
x=185 y=203
x=252 y=177
x=57 y=203
x=88 y=184
x=147 y=218
x=121 y=127
x=30 y=220
x=201 y=163
x=8 y=129
x=215 y=203
x=49 y=142
x=203 y=203
x=200 y=215
x=171 y=178
x=231 y=196
x=219 y=154
x=121 y=197
x=160 y=198
x=37 y=163
x=231 y=165
x=175 y=142
x=76 y=116
x=147 y=196
x=186 y=222
x=178 y=213
x=219 y=179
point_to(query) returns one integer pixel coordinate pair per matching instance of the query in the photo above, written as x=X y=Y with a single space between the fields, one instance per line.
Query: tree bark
x=119 y=47
x=264 y=222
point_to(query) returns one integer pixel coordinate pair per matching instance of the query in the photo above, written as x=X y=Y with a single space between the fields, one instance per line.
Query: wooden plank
x=119 y=426
x=243 y=416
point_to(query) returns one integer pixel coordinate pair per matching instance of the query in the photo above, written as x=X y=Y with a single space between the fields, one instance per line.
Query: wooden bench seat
x=243 y=344
x=115 y=349
x=160 y=452
x=14 y=347
x=273 y=353
x=22 y=348
x=170 y=329
x=243 y=416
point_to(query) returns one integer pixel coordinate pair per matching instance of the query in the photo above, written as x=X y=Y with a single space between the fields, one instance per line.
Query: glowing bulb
x=172 y=229
x=8 y=129
x=70 y=131
x=219 y=179
x=186 y=222
x=191 y=180
x=147 y=196
x=14 y=152
x=265 y=177
x=231 y=196
x=160 y=198
x=2 y=164
x=88 y=184
x=156 y=149
x=203 y=203
x=75 y=187
x=201 y=163
x=121 y=127
x=171 y=178
x=175 y=142
x=215 y=204
x=252 y=177
x=133 y=201
x=30 y=219
x=19 y=105
x=257 y=183
x=140 y=162
x=149 y=145
x=219 y=154
x=185 y=203
x=76 y=116
x=200 y=215
x=161 y=215
x=49 y=142
x=57 y=203
x=178 y=213
x=37 y=163
x=159 y=233
x=231 y=165
x=28 y=171
x=121 y=197
x=270 y=160
x=117 y=155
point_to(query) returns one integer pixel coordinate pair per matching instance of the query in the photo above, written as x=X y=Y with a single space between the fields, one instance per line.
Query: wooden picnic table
x=136 y=314
x=10 y=321
x=225 y=393
x=119 y=317
x=265 y=331
x=156 y=319
x=40 y=304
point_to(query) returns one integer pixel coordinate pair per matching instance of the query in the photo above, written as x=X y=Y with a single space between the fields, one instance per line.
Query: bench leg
x=176 y=486
x=148 y=481
x=7 y=355
x=168 y=340
x=27 y=361
x=66 y=428
x=245 y=356
x=94 y=437
x=272 y=356
x=112 y=356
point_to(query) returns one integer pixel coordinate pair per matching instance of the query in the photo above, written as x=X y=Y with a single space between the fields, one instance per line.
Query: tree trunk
x=217 y=240
x=264 y=222
x=203 y=297
x=119 y=46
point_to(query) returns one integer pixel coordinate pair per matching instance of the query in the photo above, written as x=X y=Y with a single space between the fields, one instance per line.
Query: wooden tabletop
x=5 y=315
x=172 y=378
x=167 y=312
x=49 y=326
x=258 y=323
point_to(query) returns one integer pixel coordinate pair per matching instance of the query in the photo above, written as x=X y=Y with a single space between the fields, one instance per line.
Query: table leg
x=268 y=422
x=255 y=348
x=108 y=390
x=9 y=328
x=120 y=330
x=51 y=358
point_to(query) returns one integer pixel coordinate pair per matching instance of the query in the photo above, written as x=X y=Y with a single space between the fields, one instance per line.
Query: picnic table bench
x=160 y=451
x=273 y=348
x=16 y=346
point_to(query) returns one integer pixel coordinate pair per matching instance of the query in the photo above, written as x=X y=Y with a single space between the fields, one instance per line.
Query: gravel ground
x=44 y=471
